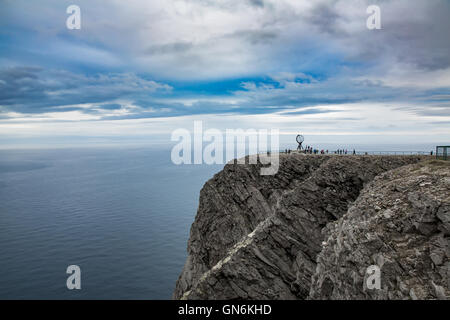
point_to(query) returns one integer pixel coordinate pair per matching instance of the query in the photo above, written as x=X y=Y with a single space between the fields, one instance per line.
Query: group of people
x=311 y=150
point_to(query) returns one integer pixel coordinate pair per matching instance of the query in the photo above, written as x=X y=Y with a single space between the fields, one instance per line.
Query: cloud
x=278 y=58
x=375 y=124
x=194 y=40
x=31 y=90
x=407 y=76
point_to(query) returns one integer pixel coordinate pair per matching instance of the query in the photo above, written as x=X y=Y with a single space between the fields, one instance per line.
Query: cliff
x=311 y=230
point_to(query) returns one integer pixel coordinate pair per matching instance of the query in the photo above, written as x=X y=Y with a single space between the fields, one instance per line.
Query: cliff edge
x=292 y=235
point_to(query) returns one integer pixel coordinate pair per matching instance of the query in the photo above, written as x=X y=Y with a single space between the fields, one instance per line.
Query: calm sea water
x=122 y=215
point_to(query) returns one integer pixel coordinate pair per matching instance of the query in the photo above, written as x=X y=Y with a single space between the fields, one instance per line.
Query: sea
x=121 y=214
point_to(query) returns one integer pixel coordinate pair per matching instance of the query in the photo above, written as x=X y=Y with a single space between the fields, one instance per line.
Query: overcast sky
x=140 y=69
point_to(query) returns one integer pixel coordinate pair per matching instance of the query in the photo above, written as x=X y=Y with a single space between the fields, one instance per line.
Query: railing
x=350 y=152
x=395 y=152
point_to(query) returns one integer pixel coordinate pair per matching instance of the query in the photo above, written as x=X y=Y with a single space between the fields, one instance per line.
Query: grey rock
x=257 y=237
x=413 y=239
x=279 y=237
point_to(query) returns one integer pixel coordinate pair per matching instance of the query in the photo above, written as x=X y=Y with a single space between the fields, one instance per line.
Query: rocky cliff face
x=262 y=237
x=400 y=223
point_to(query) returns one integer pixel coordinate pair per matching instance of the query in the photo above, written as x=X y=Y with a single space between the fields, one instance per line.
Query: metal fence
x=350 y=152
x=442 y=152
x=394 y=153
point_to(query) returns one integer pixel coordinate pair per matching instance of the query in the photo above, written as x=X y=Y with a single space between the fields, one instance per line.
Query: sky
x=139 y=69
